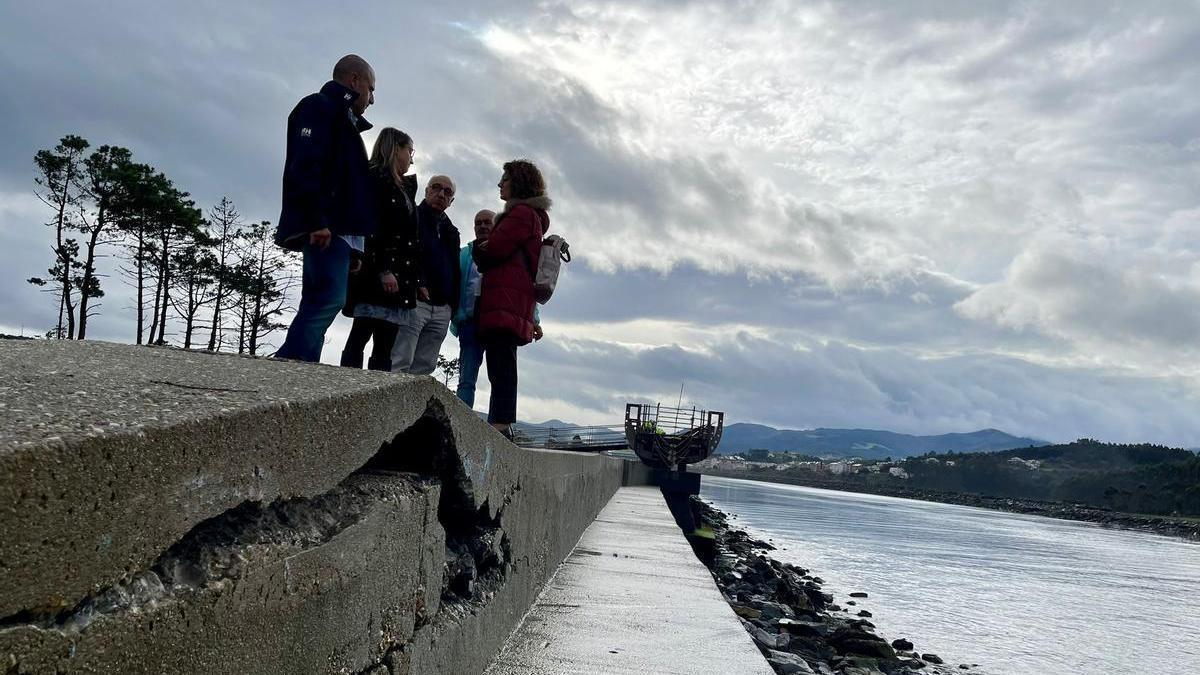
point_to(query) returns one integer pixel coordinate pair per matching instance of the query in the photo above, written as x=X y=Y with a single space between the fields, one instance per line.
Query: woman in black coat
x=387 y=283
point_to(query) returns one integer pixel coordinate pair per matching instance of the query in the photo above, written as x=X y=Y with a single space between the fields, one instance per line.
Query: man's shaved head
x=353 y=72
x=350 y=65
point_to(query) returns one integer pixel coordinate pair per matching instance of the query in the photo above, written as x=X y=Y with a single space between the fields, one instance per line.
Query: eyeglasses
x=445 y=189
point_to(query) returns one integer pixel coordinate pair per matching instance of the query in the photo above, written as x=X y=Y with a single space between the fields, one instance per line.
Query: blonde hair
x=384 y=153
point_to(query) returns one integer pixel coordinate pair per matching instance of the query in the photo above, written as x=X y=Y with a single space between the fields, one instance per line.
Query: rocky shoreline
x=797 y=626
x=1164 y=525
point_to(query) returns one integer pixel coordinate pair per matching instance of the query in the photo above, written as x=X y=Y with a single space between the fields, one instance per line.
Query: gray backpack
x=553 y=253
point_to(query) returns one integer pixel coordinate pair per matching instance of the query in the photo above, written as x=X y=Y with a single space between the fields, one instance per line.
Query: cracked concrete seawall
x=172 y=511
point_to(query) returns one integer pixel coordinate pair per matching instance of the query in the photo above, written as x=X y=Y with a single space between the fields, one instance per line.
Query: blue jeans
x=326 y=276
x=470 y=357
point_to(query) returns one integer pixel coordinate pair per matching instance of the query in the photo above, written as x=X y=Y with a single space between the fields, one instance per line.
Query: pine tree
x=225 y=227
x=60 y=186
x=195 y=272
x=110 y=178
x=449 y=368
x=263 y=277
x=179 y=222
x=138 y=224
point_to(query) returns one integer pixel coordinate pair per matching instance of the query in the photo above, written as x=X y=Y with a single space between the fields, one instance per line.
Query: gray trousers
x=420 y=339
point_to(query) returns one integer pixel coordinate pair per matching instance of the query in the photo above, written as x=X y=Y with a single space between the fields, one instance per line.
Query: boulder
x=768 y=640
x=932 y=658
x=806 y=629
x=773 y=610
x=902 y=644
x=863 y=612
x=855 y=640
x=746 y=612
x=788 y=664
x=878 y=650
x=858 y=594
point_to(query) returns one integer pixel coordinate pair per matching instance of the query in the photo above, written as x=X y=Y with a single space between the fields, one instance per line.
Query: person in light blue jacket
x=463 y=324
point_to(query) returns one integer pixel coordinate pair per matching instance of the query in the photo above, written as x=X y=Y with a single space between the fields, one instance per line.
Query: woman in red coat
x=507 y=259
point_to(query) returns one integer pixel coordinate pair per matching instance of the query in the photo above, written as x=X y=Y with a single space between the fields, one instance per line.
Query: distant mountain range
x=864 y=443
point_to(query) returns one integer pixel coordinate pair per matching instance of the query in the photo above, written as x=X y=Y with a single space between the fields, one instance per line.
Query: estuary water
x=1016 y=594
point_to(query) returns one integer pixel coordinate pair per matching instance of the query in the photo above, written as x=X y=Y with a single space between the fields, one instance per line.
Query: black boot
x=352 y=360
x=379 y=364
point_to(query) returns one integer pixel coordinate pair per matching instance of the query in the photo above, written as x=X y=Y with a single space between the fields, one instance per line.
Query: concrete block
x=172 y=511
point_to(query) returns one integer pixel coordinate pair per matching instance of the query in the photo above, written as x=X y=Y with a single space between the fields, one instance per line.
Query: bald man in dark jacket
x=326 y=199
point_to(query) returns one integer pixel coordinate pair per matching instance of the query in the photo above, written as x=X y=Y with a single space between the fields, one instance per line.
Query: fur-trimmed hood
x=541 y=203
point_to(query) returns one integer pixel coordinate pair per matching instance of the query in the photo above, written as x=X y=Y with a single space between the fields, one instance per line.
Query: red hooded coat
x=506 y=299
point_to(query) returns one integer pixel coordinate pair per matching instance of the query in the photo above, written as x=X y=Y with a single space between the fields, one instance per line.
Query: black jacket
x=439 y=256
x=395 y=246
x=325 y=175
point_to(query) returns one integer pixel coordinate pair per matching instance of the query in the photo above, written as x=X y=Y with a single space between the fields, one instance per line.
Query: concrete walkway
x=631 y=598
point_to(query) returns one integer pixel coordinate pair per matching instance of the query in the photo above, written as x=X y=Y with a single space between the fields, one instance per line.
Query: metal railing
x=659 y=435
x=672 y=437
x=583 y=438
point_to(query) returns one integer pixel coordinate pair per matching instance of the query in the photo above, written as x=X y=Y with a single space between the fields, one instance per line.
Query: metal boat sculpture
x=672 y=438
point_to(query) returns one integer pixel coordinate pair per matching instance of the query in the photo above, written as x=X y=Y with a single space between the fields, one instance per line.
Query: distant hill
x=865 y=443
x=1139 y=478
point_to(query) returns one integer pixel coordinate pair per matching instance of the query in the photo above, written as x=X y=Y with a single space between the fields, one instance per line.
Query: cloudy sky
x=919 y=216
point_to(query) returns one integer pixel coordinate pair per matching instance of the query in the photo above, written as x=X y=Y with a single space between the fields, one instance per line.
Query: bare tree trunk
x=226 y=221
x=160 y=285
x=140 y=266
x=166 y=299
x=188 y=322
x=70 y=319
x=154 y=308
x=256 y=324
x=89 y=273
x=214 y=334
x=62 y=303
x=242 y=326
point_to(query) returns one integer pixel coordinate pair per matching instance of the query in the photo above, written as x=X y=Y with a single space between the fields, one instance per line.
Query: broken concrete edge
x=447 y=616
x=146 y=514
x=80 y=510
x=287 y=607
x=495 y=521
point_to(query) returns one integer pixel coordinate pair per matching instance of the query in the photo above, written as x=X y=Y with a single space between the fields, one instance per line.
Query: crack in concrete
x=214 y=553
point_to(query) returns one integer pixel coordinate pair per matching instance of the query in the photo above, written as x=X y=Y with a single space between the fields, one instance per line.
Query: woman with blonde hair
x=386 y=285
x=508 y=259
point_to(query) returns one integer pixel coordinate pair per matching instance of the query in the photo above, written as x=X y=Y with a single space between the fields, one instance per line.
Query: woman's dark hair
x=525 y=180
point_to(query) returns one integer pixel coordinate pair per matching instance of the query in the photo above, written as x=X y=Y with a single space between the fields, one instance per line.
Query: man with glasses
x=420 y=339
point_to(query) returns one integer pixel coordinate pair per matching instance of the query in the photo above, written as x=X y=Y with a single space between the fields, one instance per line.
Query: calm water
x=1016 y=594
